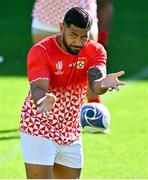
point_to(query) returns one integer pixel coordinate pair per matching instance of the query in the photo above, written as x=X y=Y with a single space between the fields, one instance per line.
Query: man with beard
x=59 y=70
x=46 y=16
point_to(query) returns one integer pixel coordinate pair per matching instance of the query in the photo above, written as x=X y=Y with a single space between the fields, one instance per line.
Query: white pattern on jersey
x=62 y=125
x=51 y=12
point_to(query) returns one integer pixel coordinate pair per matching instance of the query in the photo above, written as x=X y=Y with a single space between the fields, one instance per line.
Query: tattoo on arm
x=94 y=74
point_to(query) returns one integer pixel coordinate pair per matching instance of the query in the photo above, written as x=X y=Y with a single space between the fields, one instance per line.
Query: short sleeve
x=98 y=56
x=37 y=64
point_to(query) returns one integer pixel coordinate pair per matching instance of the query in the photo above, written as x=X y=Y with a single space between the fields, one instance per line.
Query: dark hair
x=78 y=17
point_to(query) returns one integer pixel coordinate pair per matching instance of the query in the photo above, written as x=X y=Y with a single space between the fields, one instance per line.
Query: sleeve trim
x=44 y=78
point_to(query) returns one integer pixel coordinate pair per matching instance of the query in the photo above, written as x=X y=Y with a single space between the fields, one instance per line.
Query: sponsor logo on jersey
x=72 y=65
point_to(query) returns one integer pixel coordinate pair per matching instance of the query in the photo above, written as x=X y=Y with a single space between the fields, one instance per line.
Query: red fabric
x=97 y=100
x=103 y=38
x=36 y=66
x=68 y=82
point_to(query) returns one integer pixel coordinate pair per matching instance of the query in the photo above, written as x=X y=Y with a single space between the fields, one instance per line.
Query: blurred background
x=127 y=41
x=15 y=36
x=121 y=154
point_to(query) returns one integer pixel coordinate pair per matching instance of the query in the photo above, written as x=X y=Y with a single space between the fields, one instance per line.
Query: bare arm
x=38 y=89
x=95 y=75
x=100 y=83
x=43 y=100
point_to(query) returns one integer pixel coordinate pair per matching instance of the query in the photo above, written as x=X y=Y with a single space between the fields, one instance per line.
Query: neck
x=59 y=39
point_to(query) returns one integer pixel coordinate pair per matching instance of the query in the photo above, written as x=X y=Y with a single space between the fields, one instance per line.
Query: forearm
x=42 y=98
x=37 y=93
x=38 y=89
x=95 y=76
x=97 y=89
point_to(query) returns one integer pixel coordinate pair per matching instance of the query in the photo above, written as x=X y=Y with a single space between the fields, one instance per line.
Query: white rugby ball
x=95 y=117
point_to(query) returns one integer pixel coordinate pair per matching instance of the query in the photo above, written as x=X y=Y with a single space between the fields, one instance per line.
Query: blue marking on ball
x=95 y=117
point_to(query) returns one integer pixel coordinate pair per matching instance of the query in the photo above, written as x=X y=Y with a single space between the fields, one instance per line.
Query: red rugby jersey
x=68 y=82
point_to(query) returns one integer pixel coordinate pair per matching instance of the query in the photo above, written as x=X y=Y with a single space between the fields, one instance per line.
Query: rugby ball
x=95 y=117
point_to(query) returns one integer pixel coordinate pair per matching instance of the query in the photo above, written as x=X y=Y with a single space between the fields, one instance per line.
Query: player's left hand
x=111 y=81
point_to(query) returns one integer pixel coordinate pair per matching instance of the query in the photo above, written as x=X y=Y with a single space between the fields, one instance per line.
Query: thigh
x=64 y=172
x=38 y=37
x=39 y=34
x=35 y=171
x=39 y=154
x=41 y=30
x=37 y=150
x=69 y=161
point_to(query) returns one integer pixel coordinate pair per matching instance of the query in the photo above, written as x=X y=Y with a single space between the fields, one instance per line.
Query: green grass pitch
x=122 y=154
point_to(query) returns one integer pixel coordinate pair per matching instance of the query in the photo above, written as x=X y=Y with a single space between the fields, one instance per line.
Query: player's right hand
x=46 y=103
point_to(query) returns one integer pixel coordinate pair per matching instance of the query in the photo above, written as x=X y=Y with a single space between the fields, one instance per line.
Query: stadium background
x=123 y=153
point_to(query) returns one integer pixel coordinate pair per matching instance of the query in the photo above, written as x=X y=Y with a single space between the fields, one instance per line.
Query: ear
x=61 y=27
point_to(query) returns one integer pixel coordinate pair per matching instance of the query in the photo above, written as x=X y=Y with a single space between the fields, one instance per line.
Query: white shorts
x=38 y=150
x=42 y=28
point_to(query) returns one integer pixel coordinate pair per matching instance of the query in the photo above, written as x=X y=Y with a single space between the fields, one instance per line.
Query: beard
x=68 y=48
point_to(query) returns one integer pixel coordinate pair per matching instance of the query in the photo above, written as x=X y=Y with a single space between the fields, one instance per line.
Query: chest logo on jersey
x=59 y=67
x=80 y=63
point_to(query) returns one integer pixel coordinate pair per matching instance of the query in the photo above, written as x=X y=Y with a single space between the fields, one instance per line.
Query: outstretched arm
x=100 y=83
